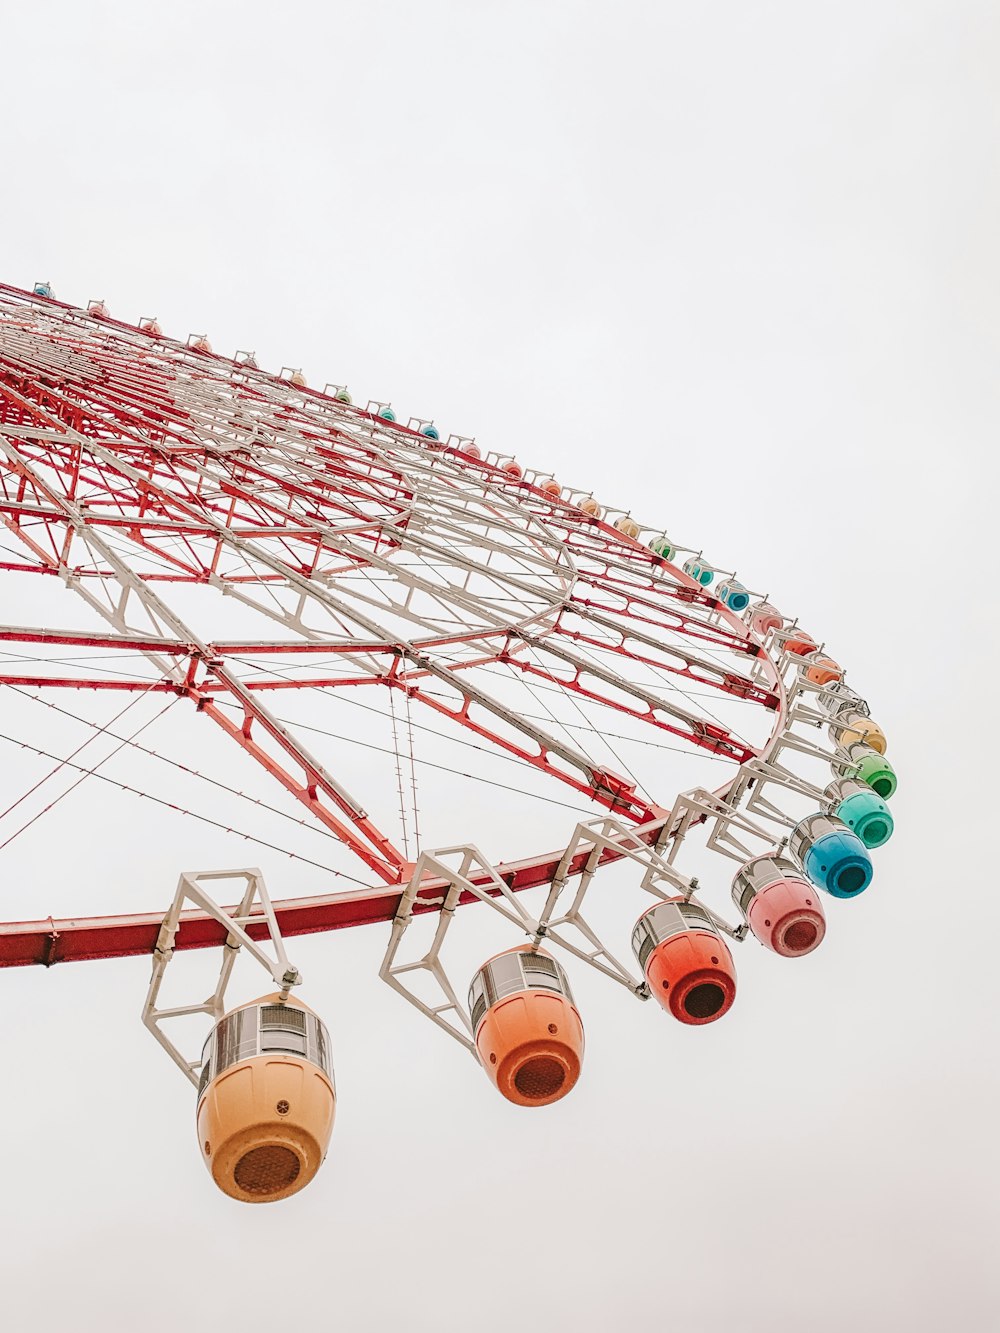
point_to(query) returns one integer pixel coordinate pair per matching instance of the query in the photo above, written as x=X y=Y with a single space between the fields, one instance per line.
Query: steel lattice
x=236 y=539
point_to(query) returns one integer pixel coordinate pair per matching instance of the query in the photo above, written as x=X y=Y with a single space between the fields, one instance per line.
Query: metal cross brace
x=474 y=876
x=254 y=908
x=661 y=878
x=757 y=774
x=700 y=805
x=594 y=839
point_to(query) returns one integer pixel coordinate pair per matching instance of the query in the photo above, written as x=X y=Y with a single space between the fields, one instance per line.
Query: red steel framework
x=132 y=465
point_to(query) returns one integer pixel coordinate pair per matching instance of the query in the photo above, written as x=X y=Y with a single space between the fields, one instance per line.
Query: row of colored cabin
x=267 y=1098
x=860 y=741
x=533 y=1052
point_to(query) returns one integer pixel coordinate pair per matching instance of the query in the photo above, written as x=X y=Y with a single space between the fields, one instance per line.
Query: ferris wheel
x=460 y=678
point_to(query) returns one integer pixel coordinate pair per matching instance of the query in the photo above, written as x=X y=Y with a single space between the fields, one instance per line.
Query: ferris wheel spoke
x=558 y=580
x=482 y=699
x=163 y=555
x=548 y=744
x=10 y=928
x=455 y=703
x=709 y=736
x=600 y=736
x=309 y=784
x=604 y=787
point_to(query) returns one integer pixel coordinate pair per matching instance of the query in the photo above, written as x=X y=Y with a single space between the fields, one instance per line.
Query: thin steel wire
x=179 y=809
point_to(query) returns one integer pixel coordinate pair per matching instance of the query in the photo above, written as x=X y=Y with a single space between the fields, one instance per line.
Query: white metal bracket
x=444 y=878
x=473 y=876
x=758 y=774
x=254 y=908
x=724 y=822
x=789 y=740
x=598 y=839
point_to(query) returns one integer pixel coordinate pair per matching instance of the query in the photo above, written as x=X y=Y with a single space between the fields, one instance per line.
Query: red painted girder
x=684 y=625
x=120 y=406
x=222 y=647
x=152 y=643
x=618 y=795
x=144 y=528
x=97 y=401
x=126 y=404
x=208 y=687
x=45 y=416
x=80 y=412
x=189 y=573
x=24 y=943
x=322 y=488
x=591 y=536
x=168 y=501
x=708 y=735
x=189 y=569
x=95 y=683
x=148 y=522
x=321 y=496
x=728 y=682
x=656 y=597
x=654 y=592
x=382 y=485
x=388 y=863
x=370 y=464
x=360 y=526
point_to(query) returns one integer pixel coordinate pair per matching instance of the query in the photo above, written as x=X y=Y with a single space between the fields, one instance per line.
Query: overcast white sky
x=730 y=264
